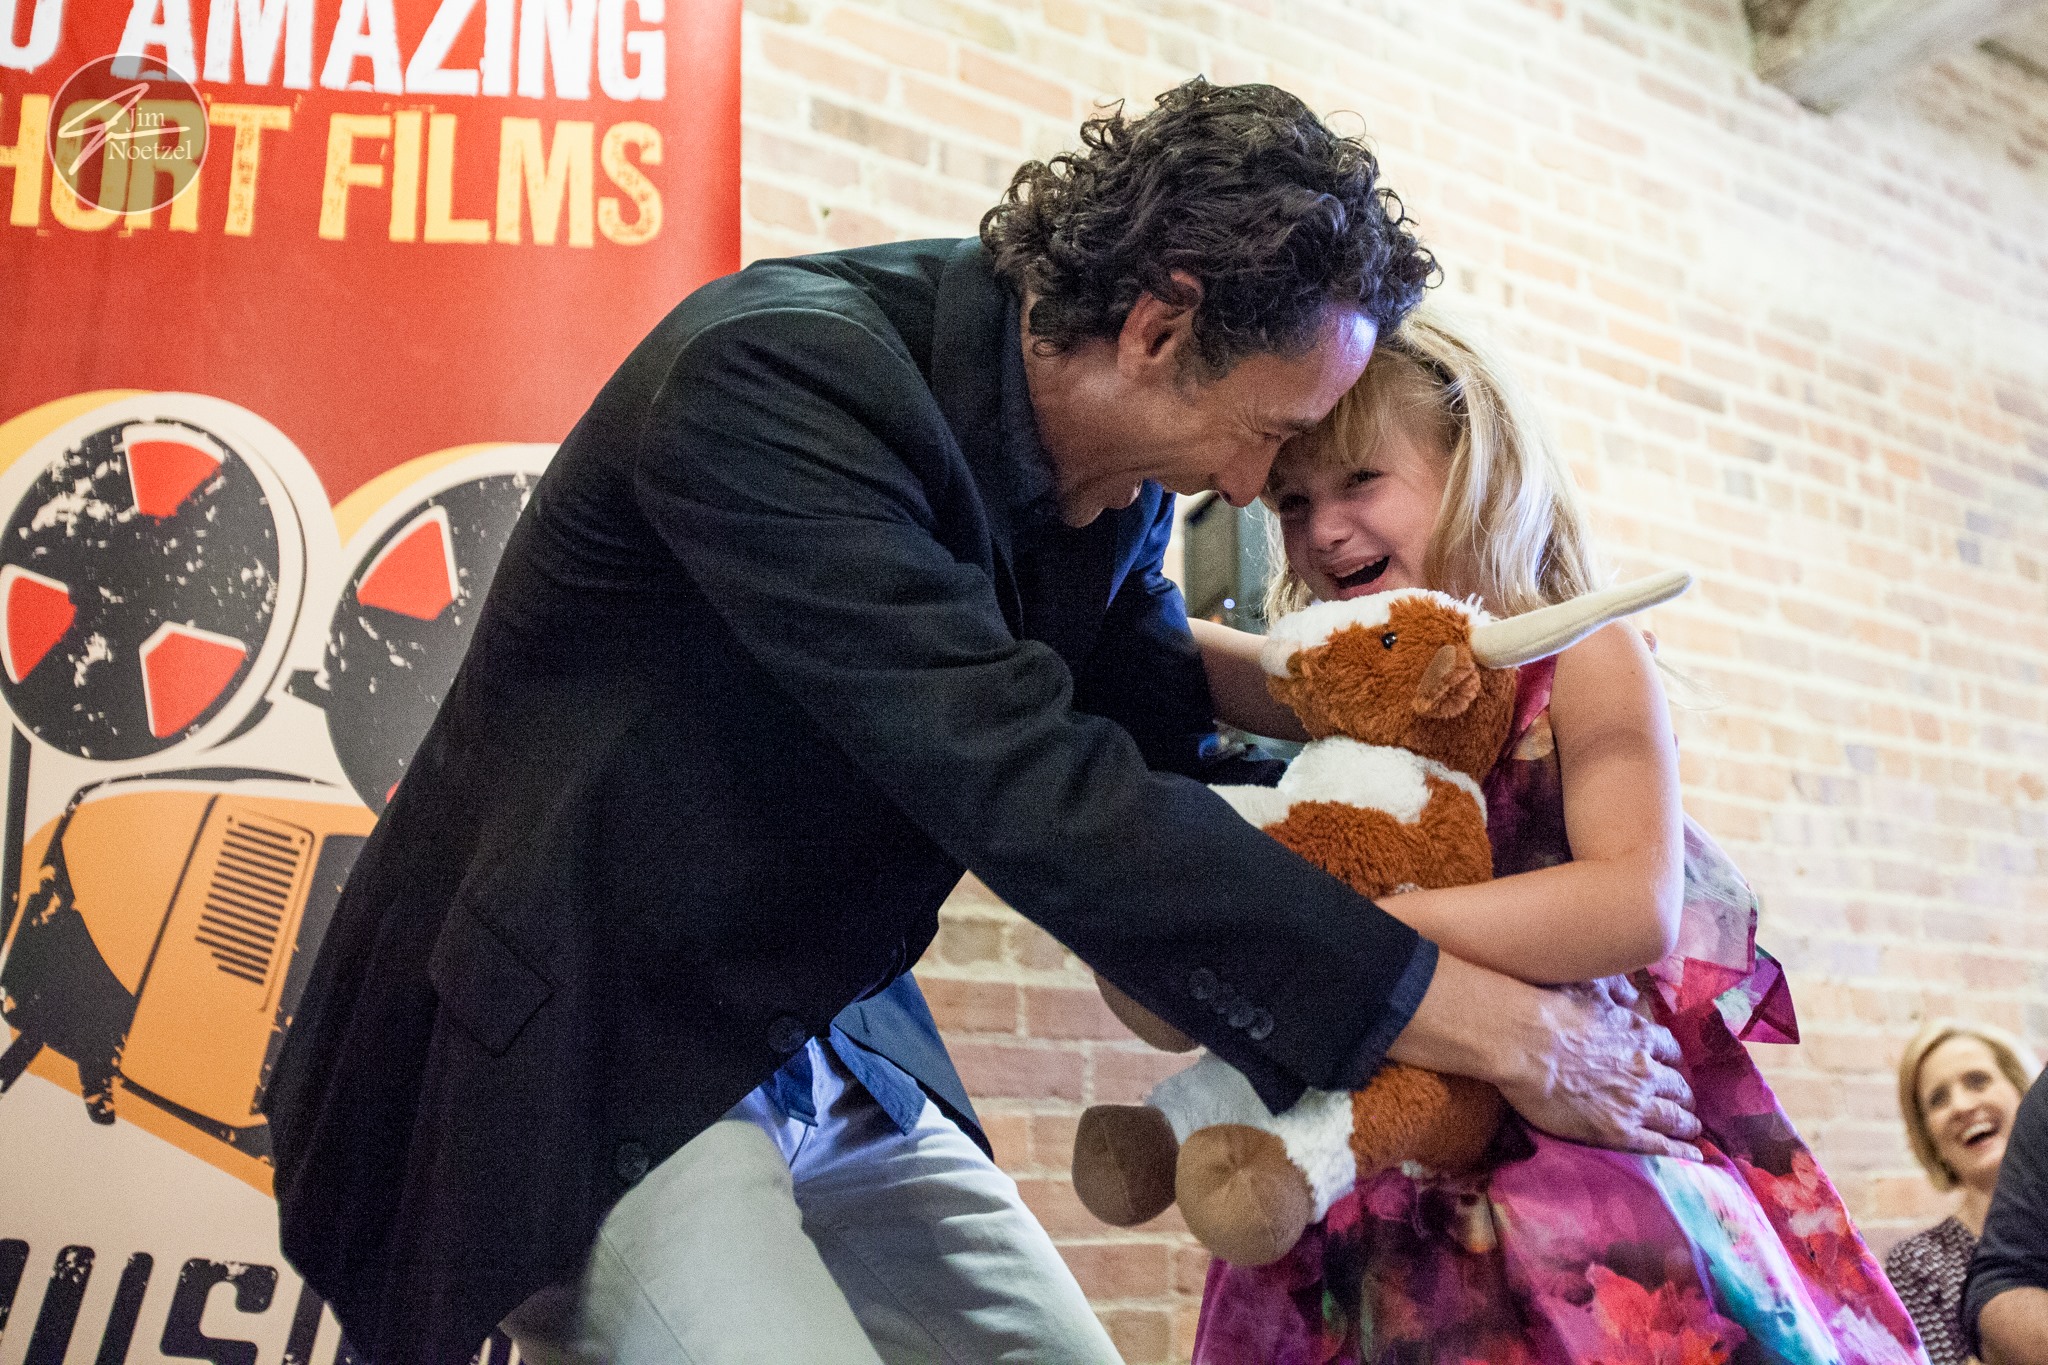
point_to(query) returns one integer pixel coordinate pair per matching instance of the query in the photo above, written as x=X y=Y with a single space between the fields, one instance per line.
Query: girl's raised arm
x=1238 y=685
x=1615 y=906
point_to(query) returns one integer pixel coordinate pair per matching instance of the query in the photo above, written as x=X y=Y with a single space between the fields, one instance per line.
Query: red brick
x=1019 y=1071
x=897 y=44
x=960 y=113
x=1015 y=83
x=1070 y=1012
x=1125 y=1077
x=1143 y=1336
x=967 y=1005
x=1053 y=1203
x=1120 y=1270
x=870 y=131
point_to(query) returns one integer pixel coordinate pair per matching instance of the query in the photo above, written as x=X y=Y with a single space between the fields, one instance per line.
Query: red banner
x=295 y=298
x=419 y=223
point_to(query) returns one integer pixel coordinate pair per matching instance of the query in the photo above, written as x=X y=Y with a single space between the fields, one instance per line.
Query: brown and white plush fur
x=1408 y=697
x=1404 y=724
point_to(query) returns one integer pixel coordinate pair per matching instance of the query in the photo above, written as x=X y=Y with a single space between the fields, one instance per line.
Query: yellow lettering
x=636 y=186
x=566 y=173
x=343 y=170
x=150 y=159
x=80 y=137
x=405 y=175
x=250 y=122
x=442 y=225
x=25 y=159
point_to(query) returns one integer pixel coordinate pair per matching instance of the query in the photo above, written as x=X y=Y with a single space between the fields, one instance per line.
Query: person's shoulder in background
x=2013 y=1252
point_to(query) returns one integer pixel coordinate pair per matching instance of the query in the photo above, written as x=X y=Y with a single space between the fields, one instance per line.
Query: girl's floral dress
x=1562 y=1254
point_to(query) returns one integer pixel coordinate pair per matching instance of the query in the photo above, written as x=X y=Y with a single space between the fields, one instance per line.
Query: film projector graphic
x=154 y=571
x=424 y=542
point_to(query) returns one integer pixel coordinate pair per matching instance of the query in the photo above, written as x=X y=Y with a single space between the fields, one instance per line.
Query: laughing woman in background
x=1959 y=1087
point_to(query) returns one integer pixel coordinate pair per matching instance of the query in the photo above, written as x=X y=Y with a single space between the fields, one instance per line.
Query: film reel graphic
x=154 y=573
x=420 y=565
x=152 y=566
x=153 y=569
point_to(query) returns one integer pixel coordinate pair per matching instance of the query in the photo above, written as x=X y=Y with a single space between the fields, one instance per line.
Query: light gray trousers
x=769 y=1240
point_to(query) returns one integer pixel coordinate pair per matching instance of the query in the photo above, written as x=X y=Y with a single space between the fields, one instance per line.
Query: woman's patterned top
x=1927 y=1270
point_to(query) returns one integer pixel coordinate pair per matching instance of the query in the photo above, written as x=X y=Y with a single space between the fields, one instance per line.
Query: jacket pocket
x=483 y=984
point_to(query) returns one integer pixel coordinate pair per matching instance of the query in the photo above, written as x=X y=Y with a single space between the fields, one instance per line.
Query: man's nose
x=1244 y=479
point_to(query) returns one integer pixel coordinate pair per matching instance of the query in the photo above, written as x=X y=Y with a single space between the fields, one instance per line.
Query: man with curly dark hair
x=1234 y=202
x=848 y=582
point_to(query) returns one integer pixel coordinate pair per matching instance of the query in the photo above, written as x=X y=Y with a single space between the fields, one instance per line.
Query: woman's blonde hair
x=1509 y=531
x=2013 y=1057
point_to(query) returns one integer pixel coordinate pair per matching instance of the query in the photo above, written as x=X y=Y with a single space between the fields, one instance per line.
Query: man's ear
x=1158 y=334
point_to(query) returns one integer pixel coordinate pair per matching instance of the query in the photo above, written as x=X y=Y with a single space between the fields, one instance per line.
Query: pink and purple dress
x=1562 y=1254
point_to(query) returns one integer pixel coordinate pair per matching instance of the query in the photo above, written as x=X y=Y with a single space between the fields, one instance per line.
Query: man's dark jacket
x=788 y=636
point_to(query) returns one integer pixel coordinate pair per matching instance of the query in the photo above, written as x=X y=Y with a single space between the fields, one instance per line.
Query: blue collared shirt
x=901 y=1098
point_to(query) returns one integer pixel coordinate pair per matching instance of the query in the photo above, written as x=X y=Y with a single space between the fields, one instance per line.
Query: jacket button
x=629 y=1162
x=1260 y=1026
x=1202 y=983
x=787 y=1034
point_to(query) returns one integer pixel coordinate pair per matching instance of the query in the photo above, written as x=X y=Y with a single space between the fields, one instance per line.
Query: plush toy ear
x=1551 y=630
x=1449 y=684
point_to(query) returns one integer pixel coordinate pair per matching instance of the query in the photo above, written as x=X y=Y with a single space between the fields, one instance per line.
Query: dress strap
x=1532 y=700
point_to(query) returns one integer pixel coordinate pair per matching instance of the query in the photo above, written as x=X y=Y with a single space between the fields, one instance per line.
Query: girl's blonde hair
x=2013 y=1058
x=1509 y=531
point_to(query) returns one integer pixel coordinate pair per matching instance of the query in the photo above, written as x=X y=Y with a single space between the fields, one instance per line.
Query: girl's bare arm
x=1615 y=906
x=1237 y=684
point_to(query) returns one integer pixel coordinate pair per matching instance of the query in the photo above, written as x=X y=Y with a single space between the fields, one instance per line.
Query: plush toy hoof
x=1240 y=1194
x=1123 y=1163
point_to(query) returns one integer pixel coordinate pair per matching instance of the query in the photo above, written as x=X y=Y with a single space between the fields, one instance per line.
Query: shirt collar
x=977 y=375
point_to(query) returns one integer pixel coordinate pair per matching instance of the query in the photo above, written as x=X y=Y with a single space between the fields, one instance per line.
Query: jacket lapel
x=1053 y=580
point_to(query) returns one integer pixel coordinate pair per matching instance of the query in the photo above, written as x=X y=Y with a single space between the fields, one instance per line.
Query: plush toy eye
x=1388 y=639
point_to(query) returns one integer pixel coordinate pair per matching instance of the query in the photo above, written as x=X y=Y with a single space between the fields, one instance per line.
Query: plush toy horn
x=1549 y=630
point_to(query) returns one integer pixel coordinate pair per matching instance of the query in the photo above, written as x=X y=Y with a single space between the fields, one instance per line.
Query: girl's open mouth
x=1364 y=576
x=1979 y=1133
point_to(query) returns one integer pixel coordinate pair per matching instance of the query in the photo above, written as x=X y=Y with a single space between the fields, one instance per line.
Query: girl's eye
x=1360 y=477
x=1290 y=504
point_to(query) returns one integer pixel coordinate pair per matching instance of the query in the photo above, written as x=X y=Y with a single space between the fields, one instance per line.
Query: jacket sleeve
x=797 y=466
x=2013 y=1252
x=1146 y=674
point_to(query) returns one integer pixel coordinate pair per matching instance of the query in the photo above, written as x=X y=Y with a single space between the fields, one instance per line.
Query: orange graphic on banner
x=164 y=471
x=38 y=612
x=183 y=671
x=415 y=576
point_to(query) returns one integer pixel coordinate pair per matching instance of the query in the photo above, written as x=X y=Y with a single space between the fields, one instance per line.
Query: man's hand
x=1604 y=1076
x=1577 y=1063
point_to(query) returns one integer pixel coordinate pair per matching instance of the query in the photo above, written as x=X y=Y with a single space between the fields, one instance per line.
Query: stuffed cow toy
x=1408 y=698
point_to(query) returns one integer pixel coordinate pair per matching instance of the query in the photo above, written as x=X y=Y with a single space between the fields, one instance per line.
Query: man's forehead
x=1317 y=377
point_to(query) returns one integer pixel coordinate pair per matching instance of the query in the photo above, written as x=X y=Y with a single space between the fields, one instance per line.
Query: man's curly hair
x=1239 y=186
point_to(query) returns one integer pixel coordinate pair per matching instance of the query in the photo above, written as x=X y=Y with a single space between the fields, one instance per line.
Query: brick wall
x=1805 y=356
